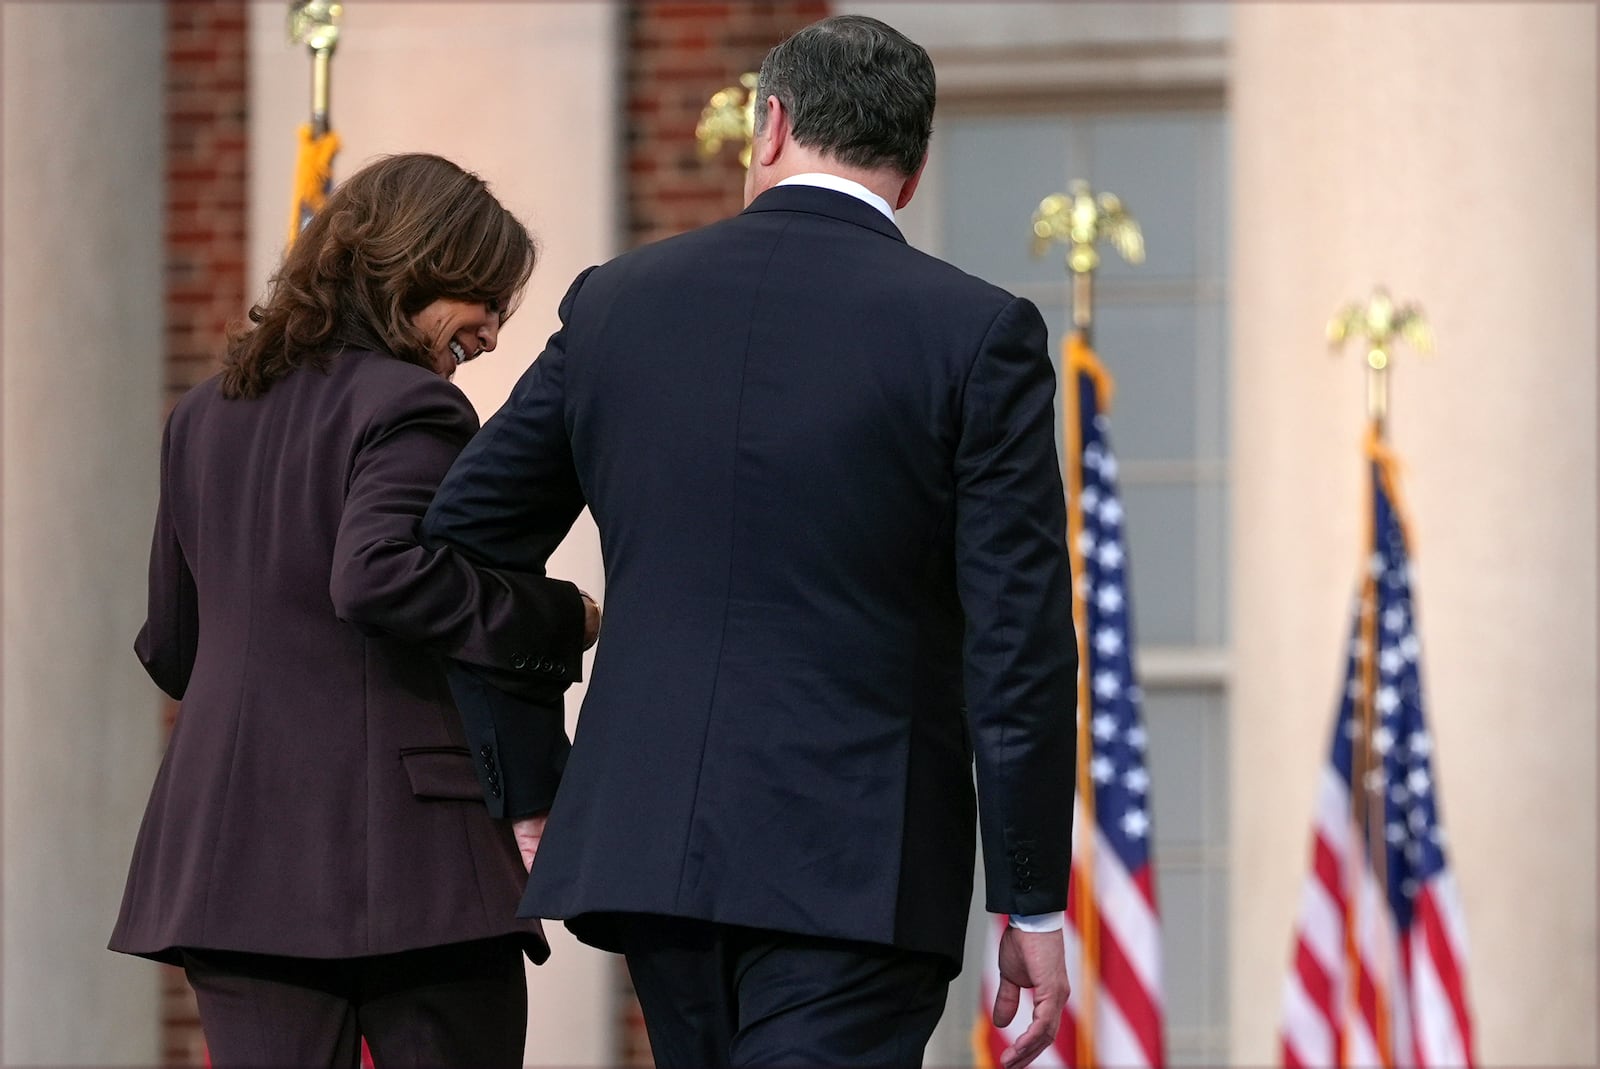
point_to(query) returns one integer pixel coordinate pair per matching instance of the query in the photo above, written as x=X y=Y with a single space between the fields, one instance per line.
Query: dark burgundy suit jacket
x=317 y=797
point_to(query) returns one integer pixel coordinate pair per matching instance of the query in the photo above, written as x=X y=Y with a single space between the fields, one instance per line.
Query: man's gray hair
x=854 y=88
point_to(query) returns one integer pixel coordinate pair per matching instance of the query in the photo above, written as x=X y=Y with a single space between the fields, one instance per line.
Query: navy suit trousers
x=719 y=996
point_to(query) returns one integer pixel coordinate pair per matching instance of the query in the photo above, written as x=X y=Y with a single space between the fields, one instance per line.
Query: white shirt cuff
x=1039 y=922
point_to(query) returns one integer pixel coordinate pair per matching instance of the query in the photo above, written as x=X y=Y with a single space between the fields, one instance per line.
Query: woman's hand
x=528 y=831
x=591 y=620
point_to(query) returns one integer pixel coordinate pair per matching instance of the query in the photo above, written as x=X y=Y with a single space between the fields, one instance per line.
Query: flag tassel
x=313 y=176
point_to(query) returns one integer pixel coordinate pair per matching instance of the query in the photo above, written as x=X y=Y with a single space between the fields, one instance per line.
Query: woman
x=316 y=852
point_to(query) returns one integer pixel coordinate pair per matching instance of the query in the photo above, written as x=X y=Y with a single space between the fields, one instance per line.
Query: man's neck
x=846 y=186
x=885 y=182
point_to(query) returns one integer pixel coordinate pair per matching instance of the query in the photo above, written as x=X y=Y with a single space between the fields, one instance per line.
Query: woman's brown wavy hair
x=395 y=236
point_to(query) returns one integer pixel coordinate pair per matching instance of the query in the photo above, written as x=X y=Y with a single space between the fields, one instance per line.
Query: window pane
x=1161 y=521
x=1211 y=564
x=1211 y=196
x=1150 y=162
x=995 y=172
x=1188 y=769
x=1149 y=350
x=1176 y=560
x=1183 y=921
x=1211 y=380
x=1177 y=726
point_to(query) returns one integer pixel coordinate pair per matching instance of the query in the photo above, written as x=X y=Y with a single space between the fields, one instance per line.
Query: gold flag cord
x=1366 y=803
x=313 y=170
x=1078 y=361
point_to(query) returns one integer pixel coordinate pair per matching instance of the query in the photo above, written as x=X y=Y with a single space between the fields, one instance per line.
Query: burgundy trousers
x=459 y=1005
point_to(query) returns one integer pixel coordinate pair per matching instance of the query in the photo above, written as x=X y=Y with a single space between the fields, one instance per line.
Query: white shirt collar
x=841 y=185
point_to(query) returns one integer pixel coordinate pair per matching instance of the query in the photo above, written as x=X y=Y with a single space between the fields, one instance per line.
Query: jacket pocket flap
x=442 y=772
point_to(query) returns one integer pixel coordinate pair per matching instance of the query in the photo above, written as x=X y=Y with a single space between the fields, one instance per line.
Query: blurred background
x=1282 y=160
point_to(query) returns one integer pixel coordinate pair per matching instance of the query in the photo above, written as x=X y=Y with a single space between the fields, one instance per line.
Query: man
x=824 y=473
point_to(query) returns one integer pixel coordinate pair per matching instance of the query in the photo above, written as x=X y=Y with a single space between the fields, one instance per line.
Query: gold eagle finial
x=1379 y=322
x=1080 y=221
x=730 y=115
x=315 y=23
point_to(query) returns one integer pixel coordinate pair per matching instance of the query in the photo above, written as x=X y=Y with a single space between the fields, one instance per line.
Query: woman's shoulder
x=396 y=390
x=195 y=401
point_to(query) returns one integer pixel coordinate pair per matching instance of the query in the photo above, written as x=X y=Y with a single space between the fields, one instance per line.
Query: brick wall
x=677 y=55
x=207 y=140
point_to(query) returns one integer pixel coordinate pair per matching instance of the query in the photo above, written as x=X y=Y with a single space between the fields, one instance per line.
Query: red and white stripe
x=1358 y=992
x=1437 y=947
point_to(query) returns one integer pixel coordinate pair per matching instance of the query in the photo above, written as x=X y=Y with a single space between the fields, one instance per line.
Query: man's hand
x=1035 y=960
x=591 y=620
x=528 y=831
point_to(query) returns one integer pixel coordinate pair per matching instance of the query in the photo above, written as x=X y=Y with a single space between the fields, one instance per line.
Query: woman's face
x=458 y=331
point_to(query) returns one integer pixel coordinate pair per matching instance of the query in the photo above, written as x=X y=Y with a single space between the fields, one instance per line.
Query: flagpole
x=1080 y=220
x=1379 y=322
x=321 y=79
x=315 y=24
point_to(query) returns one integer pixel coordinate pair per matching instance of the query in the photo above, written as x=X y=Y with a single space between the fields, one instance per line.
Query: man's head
x=850 y=90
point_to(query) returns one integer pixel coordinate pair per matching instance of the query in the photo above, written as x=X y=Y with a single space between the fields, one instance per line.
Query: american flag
x=1379 y=970
x=1113 y=932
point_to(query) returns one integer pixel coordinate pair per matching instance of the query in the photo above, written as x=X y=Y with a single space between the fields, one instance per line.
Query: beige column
x=80 y=419
x=1448 y=151
x=526 y=94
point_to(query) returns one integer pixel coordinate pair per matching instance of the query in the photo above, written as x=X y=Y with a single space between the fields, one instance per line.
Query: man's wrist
x=1038 y=922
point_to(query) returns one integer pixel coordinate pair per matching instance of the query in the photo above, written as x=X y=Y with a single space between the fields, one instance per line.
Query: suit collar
x=818 y=201
x=844 y=185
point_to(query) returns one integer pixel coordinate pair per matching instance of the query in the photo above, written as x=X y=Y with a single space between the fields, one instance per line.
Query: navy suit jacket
x=824 y=471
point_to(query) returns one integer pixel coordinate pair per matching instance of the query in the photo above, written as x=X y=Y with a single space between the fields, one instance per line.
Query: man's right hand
x=1037 y=961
